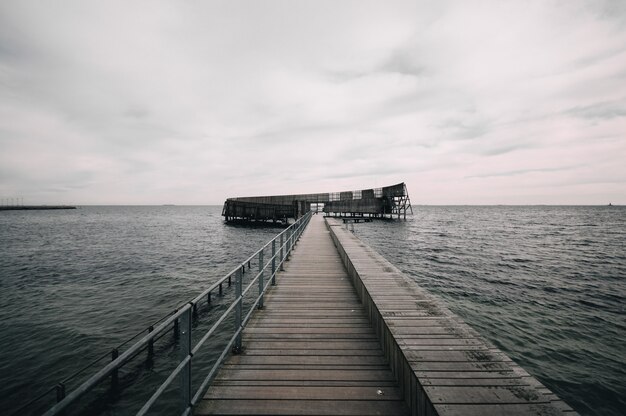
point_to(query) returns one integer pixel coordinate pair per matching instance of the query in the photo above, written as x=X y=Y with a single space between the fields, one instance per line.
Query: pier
x=311 y=349
x=345 y=332
x=321 y=324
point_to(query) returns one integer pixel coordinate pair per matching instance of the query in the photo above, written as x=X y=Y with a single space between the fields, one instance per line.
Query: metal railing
x=181 y=323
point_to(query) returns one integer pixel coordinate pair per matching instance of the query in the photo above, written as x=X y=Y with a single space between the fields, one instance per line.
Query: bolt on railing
x=181 y=324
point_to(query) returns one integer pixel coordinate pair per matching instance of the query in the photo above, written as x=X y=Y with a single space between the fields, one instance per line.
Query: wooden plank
x=235 y=373
x=309 y=383
x=311 y=336
x=300 y=407
x=493 y=382
x=497 y=410
x=279 y=330
x=304 y=393
x=338 y=345
x=460 y=366
x=284 y=352
x=483 y=394
x=447 y=355
x=282 y=360
x=465 y=374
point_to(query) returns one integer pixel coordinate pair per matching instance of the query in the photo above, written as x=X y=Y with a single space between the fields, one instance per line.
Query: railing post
x=273 y=262
x=288 y=244
x=282 y=251
x=114 y=374
x=60 y=389
x=185 y=351
x=261 y=279
x=238 y=311
x=176 y=328
x=150 y=344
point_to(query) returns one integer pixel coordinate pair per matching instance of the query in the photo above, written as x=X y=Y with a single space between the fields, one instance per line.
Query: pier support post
x=273 y=262
x=185 y=351
x=238 y=311
x=261 y=279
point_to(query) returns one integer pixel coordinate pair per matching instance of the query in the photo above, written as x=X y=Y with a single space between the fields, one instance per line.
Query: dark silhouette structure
x=385 y=202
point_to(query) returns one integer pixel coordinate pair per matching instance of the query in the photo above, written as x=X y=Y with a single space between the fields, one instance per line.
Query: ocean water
x=545 y=284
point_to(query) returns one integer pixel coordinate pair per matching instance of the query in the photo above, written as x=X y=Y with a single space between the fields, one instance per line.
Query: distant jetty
x=33 y=207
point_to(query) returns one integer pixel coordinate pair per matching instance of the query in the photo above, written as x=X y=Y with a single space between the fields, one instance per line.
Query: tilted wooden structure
x=382 y=202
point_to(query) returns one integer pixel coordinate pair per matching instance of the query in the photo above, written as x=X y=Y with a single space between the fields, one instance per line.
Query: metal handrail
x=280 y=254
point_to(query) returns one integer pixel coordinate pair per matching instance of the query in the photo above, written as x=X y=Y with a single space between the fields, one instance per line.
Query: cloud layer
x=191 y=102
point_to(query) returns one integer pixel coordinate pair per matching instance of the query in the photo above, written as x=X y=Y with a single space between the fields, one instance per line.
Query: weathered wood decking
x=311 y=350
x=345 y=332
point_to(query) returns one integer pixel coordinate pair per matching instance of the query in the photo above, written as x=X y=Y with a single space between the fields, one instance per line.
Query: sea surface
x=545 y=284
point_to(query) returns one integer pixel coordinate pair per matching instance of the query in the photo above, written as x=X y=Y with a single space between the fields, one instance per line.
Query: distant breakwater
x=34 y=207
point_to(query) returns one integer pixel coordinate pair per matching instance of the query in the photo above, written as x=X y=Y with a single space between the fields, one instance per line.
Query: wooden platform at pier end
x=311 y=350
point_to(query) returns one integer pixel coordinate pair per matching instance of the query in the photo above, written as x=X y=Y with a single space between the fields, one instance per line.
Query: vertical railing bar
x=150 y=344
x=282 y=251
x=60 y=390
x=238 y=310
x=185 y=351
x=274 y=261
x=115 y=373
x=261 y=276
x=288 y=248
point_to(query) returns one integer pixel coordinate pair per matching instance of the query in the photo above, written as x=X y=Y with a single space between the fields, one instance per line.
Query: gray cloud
x=523 y=172
x=605 y=110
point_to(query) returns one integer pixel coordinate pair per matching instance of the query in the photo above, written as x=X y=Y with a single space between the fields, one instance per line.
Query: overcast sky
x=190 y=102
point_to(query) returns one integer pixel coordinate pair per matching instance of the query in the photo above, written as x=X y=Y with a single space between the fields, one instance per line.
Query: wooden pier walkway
x=311 y=350
x=345 y=332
